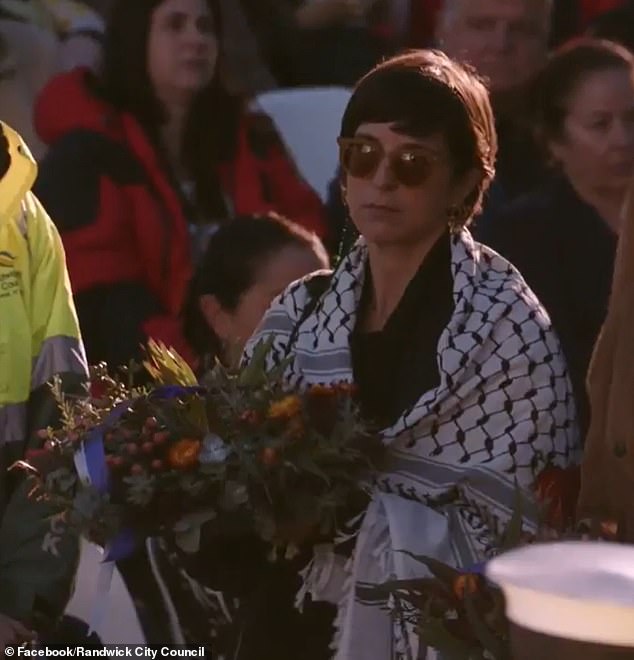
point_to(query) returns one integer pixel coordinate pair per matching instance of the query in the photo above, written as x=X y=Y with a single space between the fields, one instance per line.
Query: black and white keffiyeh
x=503 y=409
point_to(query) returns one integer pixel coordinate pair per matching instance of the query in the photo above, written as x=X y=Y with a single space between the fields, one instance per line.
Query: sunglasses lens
x=411 y=168
x=360 y=159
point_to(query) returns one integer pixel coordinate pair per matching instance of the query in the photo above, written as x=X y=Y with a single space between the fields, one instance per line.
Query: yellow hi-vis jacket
x=39 y=338
x=39 y=332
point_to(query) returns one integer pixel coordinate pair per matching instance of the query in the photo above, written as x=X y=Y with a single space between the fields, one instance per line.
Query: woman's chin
x=380 y=231
x=386 y=235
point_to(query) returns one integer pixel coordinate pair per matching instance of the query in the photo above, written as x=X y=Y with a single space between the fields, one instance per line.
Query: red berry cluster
x=136 y=451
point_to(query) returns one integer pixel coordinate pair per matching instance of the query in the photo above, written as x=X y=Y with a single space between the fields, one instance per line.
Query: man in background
x=506 y=41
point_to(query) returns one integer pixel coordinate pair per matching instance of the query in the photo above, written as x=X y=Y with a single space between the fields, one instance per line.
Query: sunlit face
x=504 y=40
x=234 y=327
x=182 y=48
x=387 y=212
x=596 y=149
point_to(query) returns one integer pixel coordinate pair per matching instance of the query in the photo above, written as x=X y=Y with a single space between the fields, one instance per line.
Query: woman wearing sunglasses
x=450 y=351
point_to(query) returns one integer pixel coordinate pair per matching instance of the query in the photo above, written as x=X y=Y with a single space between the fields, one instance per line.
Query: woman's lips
x=383 y=208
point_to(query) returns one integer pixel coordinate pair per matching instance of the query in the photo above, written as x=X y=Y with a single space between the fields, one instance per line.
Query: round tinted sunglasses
x=361 y=157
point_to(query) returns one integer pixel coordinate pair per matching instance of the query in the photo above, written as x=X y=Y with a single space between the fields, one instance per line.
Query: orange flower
x=322 y=390
x=285 y=408
x=558 y=489
x=609 y=530
x=349 y=389
x=466 y=583
x=184 y=454
x=268 y=456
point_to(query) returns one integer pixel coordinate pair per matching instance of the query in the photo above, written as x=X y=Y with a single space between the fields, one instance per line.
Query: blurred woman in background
x=146 y=155
x=562 y=237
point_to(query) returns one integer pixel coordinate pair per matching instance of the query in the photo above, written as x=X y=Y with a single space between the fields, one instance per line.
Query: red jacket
x=123 y=224
x=590 y=9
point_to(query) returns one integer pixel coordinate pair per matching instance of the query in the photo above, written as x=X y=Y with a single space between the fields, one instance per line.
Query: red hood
x=66 y=104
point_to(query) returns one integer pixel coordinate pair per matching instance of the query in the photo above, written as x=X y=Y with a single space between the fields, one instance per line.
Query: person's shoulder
x=294 y=303
x=261 y=133
x=296 y=298
x=506 y=292
x=92 y=150
x=287 y=312
x=71 y=175
x=523 y=226
x=75 y=165
x=528 y=209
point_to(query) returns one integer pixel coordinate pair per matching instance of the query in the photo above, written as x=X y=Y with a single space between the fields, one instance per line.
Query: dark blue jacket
x=565 y=251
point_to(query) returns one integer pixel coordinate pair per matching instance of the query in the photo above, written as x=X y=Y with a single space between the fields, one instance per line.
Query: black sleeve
x=521 y=234
x=69 y=178
x=68 y=183
x=527 y=236
x=111 y=320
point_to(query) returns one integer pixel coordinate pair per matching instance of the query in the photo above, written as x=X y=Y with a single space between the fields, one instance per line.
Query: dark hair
x=212 y=125
x=565 y=70
x=615 y=25
x=230 y=267
x=424 y=92
x=5 y=155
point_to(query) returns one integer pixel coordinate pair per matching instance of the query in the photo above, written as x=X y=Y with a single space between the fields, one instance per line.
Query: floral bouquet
x=297 y=458
x=128 y=463
x=458 y=612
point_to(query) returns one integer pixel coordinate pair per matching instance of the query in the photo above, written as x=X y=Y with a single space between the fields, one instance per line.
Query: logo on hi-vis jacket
x=6 y=259
x=10 y=277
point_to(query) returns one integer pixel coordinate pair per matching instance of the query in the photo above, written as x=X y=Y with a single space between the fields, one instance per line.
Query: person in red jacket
x=145 y=160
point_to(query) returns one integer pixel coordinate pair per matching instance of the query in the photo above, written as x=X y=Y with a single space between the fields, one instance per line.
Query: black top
x=565 y=251
x=396 y=365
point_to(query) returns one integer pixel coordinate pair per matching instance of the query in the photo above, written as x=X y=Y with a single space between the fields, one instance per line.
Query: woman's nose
x=384 y=176
x=622 y=134
x=500 y=39
x=195 y=34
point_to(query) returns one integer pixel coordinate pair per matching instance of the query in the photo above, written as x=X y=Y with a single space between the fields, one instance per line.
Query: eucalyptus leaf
x=193 y=520
x=193 y=484
x=254 y=373
x=88 y=501
x=189 y=540
x=305 y=464
x=39 y=554
x=141 y=489
x=211 y=469
x=61 y=480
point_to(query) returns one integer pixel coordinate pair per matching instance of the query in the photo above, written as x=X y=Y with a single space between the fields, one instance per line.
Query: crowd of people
x=460 y=272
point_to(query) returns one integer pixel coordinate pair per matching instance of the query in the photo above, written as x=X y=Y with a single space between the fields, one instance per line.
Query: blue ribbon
x=477 y=569
x=125 y=543
x=174 y=391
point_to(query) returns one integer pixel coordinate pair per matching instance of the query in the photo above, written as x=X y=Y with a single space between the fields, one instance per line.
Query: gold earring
x=456 y=216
